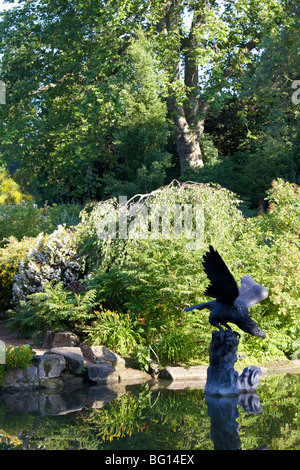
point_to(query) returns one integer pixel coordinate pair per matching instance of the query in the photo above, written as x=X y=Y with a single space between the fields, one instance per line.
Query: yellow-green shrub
x=10 y=191
x=19 y=357
x=10 y=258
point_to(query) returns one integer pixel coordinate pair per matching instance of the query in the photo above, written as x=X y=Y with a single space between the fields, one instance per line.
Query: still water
x=148 y=417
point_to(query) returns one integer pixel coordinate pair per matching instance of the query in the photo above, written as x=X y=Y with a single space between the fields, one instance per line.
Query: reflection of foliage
x=160 y=419
x=279 y=428
x=13 y=428
x=121 y=418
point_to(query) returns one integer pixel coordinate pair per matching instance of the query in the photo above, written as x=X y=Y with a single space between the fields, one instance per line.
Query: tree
x=212 y=56
x=61 y=61
x=142 y=130
x=272 y=152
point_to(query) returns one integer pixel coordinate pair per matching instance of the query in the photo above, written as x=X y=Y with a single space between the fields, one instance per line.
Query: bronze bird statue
x=232 y=302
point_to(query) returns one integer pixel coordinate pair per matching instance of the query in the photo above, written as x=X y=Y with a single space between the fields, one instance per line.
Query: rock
x=60 y=339
x=65 y=338
x=22 y=378
x=183 y=373
x=222 y=379
x=101 y=373
x=49 y=365
x=48 y=339
x=133 y=375
x=98 y=354
x=73 y=356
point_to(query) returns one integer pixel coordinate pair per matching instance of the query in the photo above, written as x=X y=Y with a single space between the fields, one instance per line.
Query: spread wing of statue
x=232 y=302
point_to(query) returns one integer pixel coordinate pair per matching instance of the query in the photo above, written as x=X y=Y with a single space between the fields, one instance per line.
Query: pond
x=152 y=417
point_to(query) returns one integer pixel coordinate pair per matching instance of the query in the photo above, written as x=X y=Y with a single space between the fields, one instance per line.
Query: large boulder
x=22 y=378
x=65 y=338
x=48 y=339
x=49 y=365
x=101 y=373
x=60 y=339
x=101 y=354
x=73 y=357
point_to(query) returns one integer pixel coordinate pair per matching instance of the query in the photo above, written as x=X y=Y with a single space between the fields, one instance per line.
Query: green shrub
x=55 y=308
x=10 y=191
x=16 y=358
x=62 y=214
x=142 y=356
x=20 y=220
x=118 y=332
x=10 y=257
x=19 y=357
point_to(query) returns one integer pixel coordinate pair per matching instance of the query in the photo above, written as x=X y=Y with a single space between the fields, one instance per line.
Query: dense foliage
x=123 y=96
x=134 y=289
x=190 y=109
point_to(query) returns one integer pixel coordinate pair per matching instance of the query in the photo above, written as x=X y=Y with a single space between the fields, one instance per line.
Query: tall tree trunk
x=188 y=117
x=187 y=139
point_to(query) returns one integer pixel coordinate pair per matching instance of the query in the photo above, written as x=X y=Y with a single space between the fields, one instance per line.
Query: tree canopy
x=114 y=97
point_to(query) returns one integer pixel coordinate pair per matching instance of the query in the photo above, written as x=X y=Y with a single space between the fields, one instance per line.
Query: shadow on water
x=152 y=417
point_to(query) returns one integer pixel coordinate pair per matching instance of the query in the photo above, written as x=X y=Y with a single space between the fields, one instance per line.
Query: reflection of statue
x=232 y=303
x=223 y=413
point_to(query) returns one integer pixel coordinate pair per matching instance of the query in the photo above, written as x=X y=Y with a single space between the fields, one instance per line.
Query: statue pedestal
x=222 y=379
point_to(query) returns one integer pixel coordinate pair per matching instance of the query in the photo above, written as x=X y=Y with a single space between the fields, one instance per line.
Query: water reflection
x=49 y=403
x=223 y=413
x=152 y=417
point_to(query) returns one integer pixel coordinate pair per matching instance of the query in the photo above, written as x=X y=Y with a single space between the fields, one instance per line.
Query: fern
x=55 y=308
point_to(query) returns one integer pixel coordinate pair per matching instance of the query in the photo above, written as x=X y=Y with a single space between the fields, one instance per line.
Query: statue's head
x=253 y=329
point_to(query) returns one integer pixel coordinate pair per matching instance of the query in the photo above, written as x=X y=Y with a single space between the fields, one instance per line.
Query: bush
x=121 y=333
x=176 y=345
x=20 y=220
x=53 y=257
x=10 y=257
x=61 y=214
x=10 y=192
x=18 y=358
x=55 y=308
